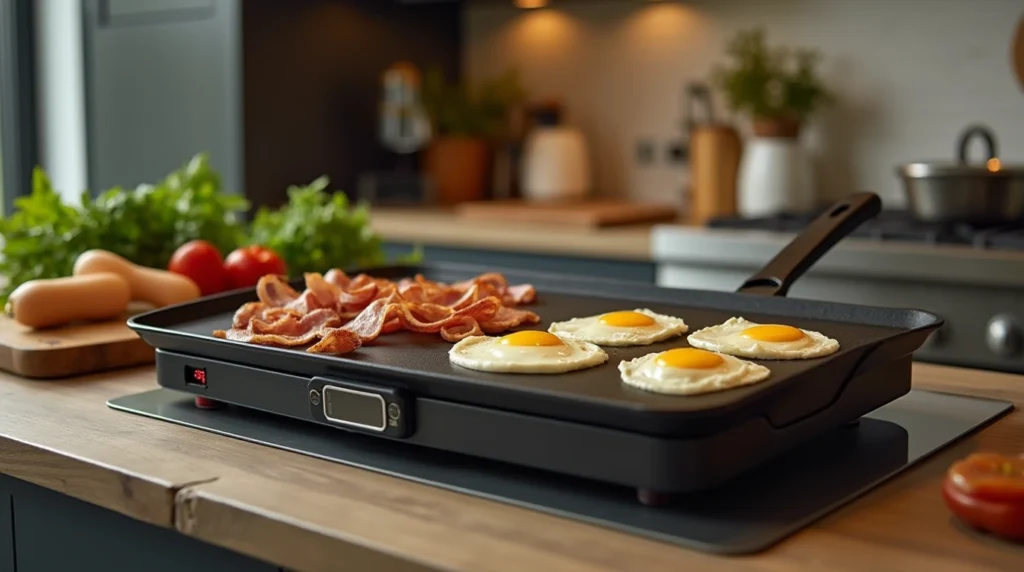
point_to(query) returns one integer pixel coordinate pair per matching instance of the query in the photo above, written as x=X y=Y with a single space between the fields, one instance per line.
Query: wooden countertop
x=309 y=514
x=437 y=227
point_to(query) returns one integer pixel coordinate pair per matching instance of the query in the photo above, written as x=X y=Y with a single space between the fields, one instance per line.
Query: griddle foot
x=207 y=403
x=647 y=497
x=853 y=424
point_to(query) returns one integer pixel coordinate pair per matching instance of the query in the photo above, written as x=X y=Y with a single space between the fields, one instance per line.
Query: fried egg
x=690 y=371
x=528 y=351
x=639 y=327
x=743 y=338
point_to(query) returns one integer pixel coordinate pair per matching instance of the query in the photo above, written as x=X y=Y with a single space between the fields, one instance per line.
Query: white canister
x=555 y=162
x=776 y=175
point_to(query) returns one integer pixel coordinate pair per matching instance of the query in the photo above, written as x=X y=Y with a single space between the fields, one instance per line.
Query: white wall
x=60 y=93
x=911 y=75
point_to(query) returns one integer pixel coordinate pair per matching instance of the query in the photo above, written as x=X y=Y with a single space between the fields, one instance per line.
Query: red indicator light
x=195 y=376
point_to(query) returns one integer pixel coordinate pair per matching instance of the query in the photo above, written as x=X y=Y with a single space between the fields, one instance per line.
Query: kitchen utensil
x=714 y=159
x=555 y=164
x=70 y=350
x=986 y=192
x=585 y=423
x=404 y=125
x=588 y=214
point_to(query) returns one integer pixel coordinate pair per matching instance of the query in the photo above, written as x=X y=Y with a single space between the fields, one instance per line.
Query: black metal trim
x=18 y=136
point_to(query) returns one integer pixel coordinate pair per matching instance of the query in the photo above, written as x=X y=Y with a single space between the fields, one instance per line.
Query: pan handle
x=817 y=239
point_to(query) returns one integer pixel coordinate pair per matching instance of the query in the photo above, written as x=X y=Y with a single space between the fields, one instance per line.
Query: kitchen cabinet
x=6 y=527
x=43 y=531
x=163 y=82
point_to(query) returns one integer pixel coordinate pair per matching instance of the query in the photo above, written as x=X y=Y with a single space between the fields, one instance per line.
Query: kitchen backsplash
x=910 y=76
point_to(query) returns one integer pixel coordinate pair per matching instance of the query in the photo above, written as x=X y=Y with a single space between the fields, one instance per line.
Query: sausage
x=157 y=287
x=57 y=301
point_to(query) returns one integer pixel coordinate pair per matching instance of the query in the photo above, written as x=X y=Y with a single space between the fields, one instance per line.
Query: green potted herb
x=779 y=88
x=465 y=122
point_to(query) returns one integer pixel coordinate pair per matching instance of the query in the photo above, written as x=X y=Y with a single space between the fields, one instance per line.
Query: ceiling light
x=530 y=4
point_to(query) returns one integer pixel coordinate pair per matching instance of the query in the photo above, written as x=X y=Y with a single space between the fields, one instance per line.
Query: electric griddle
x=585 y=423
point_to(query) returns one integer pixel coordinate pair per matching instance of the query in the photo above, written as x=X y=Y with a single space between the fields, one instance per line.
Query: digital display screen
x=351 y=407
x=195 y=375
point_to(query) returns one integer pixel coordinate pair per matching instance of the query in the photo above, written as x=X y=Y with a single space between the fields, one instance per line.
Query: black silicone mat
x=748 y=515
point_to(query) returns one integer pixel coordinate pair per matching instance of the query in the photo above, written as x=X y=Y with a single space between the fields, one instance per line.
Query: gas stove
x=896 y=226
x=971 y=275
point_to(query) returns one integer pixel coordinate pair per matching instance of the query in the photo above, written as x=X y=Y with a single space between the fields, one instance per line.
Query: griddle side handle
x=823 y=233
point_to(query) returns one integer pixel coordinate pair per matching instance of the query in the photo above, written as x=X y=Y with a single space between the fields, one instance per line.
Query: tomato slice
x=1000 y=517
x=989 y=476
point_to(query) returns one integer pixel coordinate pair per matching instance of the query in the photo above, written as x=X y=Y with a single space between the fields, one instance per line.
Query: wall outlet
x=645 y=154
x=677 y=153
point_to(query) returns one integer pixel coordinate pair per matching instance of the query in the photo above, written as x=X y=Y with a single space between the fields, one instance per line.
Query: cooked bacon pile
x=338 y=314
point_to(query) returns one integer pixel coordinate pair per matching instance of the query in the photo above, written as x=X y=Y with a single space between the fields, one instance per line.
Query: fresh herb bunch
x=771 y=82
x=43 y=236
x=318 y=230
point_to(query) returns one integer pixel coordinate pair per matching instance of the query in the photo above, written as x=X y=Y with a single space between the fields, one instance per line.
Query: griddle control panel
x=361 y=407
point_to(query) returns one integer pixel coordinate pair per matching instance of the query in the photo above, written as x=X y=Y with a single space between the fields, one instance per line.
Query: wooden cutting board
x=70 y=350
x=592 y=214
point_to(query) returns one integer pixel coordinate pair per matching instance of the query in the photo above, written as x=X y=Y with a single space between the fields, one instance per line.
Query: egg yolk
x=531 y=338
x=689 y=358
x=627 y=319
x=774 y=333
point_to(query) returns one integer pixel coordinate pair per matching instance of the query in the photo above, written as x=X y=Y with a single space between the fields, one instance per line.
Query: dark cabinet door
x=6 y=527
x=54 y=532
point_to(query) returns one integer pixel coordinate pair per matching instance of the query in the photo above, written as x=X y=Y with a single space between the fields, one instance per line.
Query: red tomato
x=986 y=490
x=246 y=265
x=200 y=261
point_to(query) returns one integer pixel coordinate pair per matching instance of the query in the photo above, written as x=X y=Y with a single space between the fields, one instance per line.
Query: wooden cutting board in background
x=591 y=214
x=70 y=350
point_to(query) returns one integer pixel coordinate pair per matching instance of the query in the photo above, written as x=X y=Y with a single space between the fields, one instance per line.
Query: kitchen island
x=119 y=491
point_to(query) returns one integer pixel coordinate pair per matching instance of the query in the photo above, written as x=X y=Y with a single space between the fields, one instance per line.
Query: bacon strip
x=272 y=290
x=336 y=341
x=338 y=314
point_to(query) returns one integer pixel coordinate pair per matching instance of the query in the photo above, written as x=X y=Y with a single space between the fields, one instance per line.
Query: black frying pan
x=872 y=339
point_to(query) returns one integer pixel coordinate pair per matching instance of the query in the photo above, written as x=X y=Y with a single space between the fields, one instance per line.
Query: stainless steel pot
x=989 y=192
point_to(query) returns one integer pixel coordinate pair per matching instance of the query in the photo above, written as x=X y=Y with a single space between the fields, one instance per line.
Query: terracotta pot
x=777 y=127
x=459 y=168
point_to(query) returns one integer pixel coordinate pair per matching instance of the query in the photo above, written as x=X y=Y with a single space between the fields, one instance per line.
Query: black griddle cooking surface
x=746 y=515
x=596 y=395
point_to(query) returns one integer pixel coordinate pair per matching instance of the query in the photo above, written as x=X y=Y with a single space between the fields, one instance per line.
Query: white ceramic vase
x=776 y=176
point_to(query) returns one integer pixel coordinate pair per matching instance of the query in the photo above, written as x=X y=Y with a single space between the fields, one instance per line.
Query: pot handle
x=977 y=131
x=823 y=233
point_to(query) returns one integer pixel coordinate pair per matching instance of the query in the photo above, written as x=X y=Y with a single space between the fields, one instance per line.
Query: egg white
x=486 y=353
x=728 y=338
x=645 y=373
x=590 y=329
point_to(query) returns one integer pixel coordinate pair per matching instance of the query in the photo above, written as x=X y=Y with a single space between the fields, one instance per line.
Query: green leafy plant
x=315 y=231
x=318 y=230
x=44 y=235
x=771 y=82
x=459 y=110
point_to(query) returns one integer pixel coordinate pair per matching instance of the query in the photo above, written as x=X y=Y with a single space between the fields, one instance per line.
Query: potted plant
x=465 y=121
x=779 y=89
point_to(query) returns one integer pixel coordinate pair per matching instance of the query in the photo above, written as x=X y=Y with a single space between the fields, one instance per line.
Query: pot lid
x=991 y=168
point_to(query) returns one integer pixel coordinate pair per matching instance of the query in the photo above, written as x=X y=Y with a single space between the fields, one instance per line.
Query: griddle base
x=747 y=515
